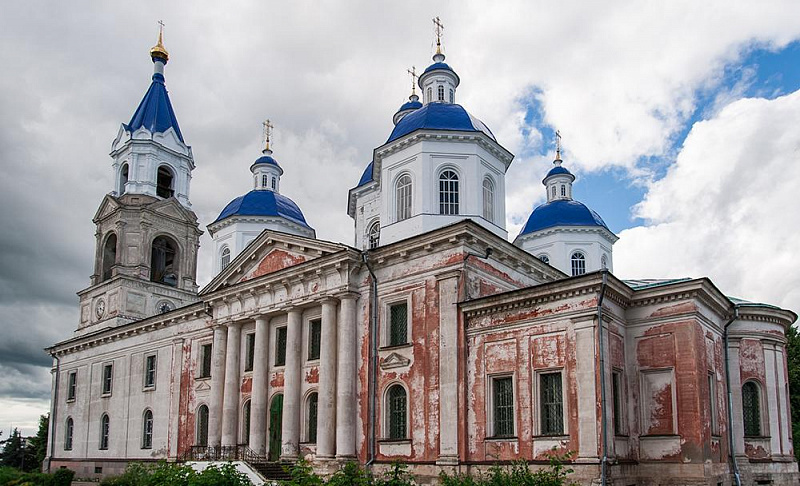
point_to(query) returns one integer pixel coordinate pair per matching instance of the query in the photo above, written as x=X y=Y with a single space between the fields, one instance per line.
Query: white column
x=230 y=407
x=771 y=398
x=326 y=404
x=346 y=375
x=290 y=427
x=448 y=368
x=586 y=377
x=258 y=402
x=217 y=386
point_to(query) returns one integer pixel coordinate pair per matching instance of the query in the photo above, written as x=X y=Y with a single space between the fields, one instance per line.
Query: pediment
x=107 y=207
x=394 y=360
x=172 y=209
x=271 y=252
x=202 y=386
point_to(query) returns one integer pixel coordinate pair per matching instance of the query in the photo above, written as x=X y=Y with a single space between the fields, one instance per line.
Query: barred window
x=314 y=338
x=551 y=404
x=72 y=385
x=280 y=346
x=250 y=351
x=488 y=199
x=374 y=235
x=104 y=428
x=274 y=183
x=246 y=423
x=398 y=324
x=403 y=197
x=563 y=190
x=751 y=407
x=430 y=95
x=201 y=436
x=147 y=430
x=616 y=395
x=264 y=180
x=225 y=258
x=396 y=412
x=205 y=356
x=441 y=92
x=68 y=429
x=503 y=406
x=311 y=436
x=452 y=96
x=108 y=373
x=150 y=371
x=578 y=263
x=448 y=192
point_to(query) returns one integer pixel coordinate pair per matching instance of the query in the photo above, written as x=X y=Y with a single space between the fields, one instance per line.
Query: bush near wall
x=10 y=476
x=162 y=473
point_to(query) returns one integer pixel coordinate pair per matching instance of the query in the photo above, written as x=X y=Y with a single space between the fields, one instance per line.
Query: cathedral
x=431 y=339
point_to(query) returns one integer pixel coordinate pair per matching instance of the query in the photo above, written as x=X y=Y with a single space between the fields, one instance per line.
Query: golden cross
x=558 y=144
x=162 y=25
x=439 y=28
x=160 y=32
x=413 y=73
x=267 y=133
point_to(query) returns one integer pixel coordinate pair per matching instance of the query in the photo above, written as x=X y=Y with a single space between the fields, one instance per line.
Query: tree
x=793 y=364
x=37 y=444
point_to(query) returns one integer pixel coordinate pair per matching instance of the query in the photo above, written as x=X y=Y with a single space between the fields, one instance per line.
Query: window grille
x=448 y=192
x=314 y=338
x=751 y=407
x=147 y=430
x=441 y=93
x=150 y=371
x=280 y=346
x=544 y=258
x=104 y=429
x=616 y=394
x=488 y=199
x=264 y=180
x=246 y=423
x=250 y=351
x=205 y=369
x=202 y=426
x=374 y=235
x=397 y=412
x=225 y=258
x=563 y=190
x=72 y=385
x=68 y=429
x=552 y=405
x=503 y=406
x=107 y=377
x=452 y=97
x=398 y=324
x=312 y=418
x=403 y=197
x=578 y=263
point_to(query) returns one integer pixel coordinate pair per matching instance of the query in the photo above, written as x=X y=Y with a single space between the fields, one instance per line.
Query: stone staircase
x=272 y=471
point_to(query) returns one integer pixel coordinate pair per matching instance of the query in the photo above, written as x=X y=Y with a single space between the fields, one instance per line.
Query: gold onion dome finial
x=158 y=51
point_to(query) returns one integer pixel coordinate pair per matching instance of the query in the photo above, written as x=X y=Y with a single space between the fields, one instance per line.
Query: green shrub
x=163 y=473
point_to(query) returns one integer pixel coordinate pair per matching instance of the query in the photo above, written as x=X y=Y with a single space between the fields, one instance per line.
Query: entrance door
x=275 y=421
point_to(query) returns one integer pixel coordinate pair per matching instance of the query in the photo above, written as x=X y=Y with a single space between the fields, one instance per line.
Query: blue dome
x=366 y=176
x=263 y=203
x=266 y=159
x=155 y=111
x=561 y=212
x=557 y=170
x=410 y=105
x=439 y=116
x=438 y=65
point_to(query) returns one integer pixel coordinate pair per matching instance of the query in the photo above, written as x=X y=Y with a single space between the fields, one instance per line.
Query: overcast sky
x=681 y=120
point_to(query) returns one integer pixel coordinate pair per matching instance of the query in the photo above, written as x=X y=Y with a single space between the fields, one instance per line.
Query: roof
x=410 y=105
x=646 y=283
x=562 y=212
x=268 y=160
x=155 y=111
x=366 y=176
x=439 y=116
x=263 y=203
x=557 y=170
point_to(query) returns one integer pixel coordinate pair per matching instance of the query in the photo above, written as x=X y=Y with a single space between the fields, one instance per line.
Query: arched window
x=452 y=96
x=544 y=258
x=164 y=183
x=109 y=256
x=448 y=192
x=123 y=178
x=274 y=183
x=104 y=428
x=68 y=429
x=374 y=235
x=604 y=261
x=264 y=180
x=396 y=415
x=578 y=263
x=224 y=258
x=147 y=429
x=246 y=423
x=311 y=415
x=563 y=190
x=751 y=408
x=164 y=262
x=403 y=197
x=430 y=95
x=488 y=199
x=554 y=191
x=441 y=92
x=201 y=436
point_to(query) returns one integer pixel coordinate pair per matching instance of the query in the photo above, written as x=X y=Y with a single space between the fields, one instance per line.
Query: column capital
x=449 y=274
x=348 y=294
x=329 y=299
x=219 y=326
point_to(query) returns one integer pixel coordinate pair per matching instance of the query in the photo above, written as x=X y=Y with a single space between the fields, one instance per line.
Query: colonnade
x=336 y=406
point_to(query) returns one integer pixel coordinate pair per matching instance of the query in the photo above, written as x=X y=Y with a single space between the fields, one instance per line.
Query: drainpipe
x=373 y=358
x=736 y=476
x=602 y=360
x=53 y=412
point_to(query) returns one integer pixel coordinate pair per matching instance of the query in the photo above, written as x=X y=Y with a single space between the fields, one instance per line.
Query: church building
x=432 y=339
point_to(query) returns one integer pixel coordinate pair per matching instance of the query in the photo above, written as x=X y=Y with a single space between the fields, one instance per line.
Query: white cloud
x=727 y=208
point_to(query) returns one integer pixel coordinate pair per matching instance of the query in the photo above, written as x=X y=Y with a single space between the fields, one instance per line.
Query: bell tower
x=147 y=236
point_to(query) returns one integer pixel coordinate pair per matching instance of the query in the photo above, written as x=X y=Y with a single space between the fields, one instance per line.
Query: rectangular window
x=398 y=324
x=250 y=351
x=150 y=371
x=314 y=338
x=205 y=363
x=108 y=372
x=503 y=406
x=72 y=385
x=280 y=346
x=551 y=404
x=712 y=403
x=616 y=396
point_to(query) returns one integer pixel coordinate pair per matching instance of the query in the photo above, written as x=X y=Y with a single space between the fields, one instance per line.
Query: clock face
x=100 y=308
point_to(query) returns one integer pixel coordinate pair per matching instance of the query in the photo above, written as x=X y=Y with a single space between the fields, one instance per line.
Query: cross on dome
x=267 y=135
x=438 y=28
x=158 y=52
x=413 y=73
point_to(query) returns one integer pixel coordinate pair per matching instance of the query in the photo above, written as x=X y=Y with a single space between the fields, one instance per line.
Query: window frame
x=249 y=351
x=264 y=181
x=577 y=257
x=544 y=258
x=105 y=391
x=488 y=199
x=311 y=433
x=314 y=350
x=712 y=402
x=440 y=93
x=374 y=235
x=69 y=430
x=403 y=201
x=224 y=257
x=280 y=350
x=449 y=192
x=206 y=352
x=147 y=429
x=492 y=419
x=538 y=403
x=148 y=384
x=105 y=432
x=387 y=319
x=72 y=385
x=247 y=421
x=759 y=409
x=388 y=413
x=618 y=403
x=201 y=439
